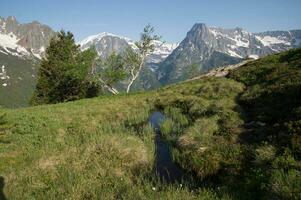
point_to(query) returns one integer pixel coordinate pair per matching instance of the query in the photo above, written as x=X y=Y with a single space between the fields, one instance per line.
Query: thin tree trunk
x=112 y=90
x=135 y=75
x=108 y=87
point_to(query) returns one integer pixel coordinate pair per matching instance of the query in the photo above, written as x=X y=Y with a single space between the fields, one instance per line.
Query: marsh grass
x=101 y=148
x=104 y=148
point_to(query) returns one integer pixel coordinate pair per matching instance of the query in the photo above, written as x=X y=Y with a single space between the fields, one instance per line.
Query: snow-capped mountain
x=208 y=47
x=105 y=43
x=162 y=50
x=240 y=43
x=24 y=40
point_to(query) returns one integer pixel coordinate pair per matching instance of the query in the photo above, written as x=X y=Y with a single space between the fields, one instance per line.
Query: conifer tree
x=64 y=72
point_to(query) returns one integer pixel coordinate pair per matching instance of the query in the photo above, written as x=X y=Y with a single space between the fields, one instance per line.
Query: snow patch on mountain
x=233 y=54
x=9 y=45
x=253 y=56
x=9 y=42
x=241 y=42
x=268 y=40
x=162 y=50
x=94 y=38
x=3 y=75
x=236 y=36
x=90 y=40
x=1 y=51
x=25 y=41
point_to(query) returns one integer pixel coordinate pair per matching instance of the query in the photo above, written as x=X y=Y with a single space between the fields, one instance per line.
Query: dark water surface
x=166 y=169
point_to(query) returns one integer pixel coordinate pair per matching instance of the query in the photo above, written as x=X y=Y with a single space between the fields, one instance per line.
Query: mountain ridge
x=24 y=40
x=202 y=43
x=162 y=49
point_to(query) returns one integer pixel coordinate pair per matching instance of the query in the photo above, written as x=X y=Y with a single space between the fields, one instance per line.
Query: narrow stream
x=166 y=169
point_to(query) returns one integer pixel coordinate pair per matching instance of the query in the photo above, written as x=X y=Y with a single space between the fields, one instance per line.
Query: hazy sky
x=172 y=19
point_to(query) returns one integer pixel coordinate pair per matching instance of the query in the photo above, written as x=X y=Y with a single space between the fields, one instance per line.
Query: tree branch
x=108 y=87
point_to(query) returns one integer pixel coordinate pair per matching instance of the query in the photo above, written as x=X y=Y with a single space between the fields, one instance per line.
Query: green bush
x=64 y=73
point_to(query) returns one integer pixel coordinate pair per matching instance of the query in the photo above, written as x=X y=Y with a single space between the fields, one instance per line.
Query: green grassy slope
x=94 y=148
x=103 y=148
x=273 y=96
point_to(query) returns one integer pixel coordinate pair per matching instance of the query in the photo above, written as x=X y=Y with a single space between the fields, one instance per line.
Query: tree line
x=66 y=73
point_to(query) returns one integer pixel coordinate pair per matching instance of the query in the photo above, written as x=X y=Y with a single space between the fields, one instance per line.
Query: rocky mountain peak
x=198 y=31
x=24 y=39
x=199 y=26
x=206 y=47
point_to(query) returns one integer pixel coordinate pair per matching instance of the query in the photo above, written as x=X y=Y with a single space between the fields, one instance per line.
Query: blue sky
x=172 y=19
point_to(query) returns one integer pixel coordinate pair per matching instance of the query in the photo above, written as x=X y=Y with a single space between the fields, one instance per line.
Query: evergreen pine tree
x=64 y=72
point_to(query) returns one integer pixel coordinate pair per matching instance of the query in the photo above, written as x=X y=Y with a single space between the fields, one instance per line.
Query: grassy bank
x=95 y=148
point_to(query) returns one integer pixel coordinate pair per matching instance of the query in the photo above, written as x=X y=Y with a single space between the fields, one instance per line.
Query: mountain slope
x=21 y=48
x=208 y=47
x=30 y=39
x=17 y=80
